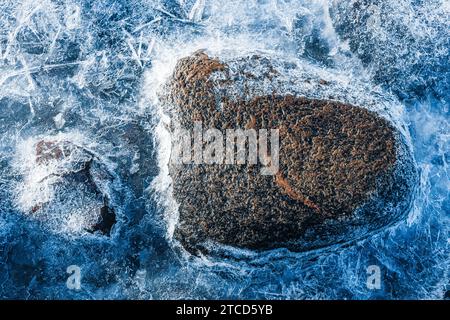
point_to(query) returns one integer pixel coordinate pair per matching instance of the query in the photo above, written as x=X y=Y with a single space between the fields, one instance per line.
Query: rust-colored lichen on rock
x=334 y=158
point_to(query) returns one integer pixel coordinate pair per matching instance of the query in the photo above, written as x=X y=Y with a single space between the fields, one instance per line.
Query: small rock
x=106 y=221
x=344 y=170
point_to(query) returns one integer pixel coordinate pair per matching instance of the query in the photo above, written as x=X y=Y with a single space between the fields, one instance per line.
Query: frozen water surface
x=89 y=72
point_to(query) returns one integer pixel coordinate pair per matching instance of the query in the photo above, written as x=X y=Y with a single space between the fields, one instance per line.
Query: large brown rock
x=344 y=171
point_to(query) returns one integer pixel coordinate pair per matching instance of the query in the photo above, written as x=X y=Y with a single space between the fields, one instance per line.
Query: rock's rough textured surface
x=344 y=171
